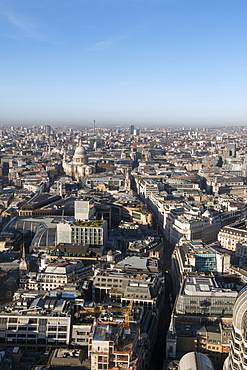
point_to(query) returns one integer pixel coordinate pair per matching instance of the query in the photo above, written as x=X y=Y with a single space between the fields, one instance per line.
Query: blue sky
x=142 y=62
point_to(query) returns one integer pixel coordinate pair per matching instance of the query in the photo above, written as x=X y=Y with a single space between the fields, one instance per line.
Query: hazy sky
x=123 y=61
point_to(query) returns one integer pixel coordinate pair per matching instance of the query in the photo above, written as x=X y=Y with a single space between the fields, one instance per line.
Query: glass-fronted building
x=202 y=296
x=205 y=262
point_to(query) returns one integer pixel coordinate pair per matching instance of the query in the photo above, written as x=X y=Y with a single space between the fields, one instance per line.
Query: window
x=51 y=335
x=11 y=319
x=62 y=335
x=52 y=328
x=42 y=321
x=32 y=328
x=33 y=320
x=62 y=328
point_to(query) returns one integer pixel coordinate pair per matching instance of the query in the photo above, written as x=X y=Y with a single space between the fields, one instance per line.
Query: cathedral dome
x=80 y=151
x=80 y=156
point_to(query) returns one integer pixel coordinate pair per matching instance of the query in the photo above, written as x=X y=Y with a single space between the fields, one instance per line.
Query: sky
x=121 y=62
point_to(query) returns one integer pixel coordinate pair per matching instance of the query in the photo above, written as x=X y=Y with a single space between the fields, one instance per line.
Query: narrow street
x=159 y=353
x=163 y=325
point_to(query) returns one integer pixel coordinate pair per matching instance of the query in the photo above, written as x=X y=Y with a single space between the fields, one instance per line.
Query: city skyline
x=123 y=248
x=159 y=62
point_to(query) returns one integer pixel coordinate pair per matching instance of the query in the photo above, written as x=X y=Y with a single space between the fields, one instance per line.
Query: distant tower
x=47 y=129
x=131 y=129
x=94 y=126
x=127 y=181
x=231 y=150
x=95 y=146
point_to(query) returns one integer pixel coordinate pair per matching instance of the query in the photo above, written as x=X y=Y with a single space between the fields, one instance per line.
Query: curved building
x=237 y=358
x=195 y=361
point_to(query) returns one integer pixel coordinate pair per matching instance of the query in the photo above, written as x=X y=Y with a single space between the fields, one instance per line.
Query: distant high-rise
x=231 y=150
x=47 y=129
x=131 y=129
x=94 y=126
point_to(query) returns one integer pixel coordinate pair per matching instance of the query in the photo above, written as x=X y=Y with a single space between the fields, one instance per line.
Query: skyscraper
x=237 y=359
x=131 y=129
x=47 y=129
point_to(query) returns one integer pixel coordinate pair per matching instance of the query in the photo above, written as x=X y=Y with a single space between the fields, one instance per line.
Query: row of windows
x=114 y=280
x=21 y=335
x=24 y=321
x=34 y=328
x=214 y=348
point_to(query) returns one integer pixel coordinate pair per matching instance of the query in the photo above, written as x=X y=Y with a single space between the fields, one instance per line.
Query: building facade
x=230 y=236
x=237 y=358
x=93 y=232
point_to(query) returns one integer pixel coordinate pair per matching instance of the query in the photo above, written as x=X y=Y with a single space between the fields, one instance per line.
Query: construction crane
x=127 y=313
x=87 y=310
x=99 y=310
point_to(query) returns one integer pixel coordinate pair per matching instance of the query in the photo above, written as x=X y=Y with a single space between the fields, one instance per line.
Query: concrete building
x=66 y=358
x=146 y=187
x=104 y=181
x=53 y=276
x=80 y=333
x=139 y=283
x=192 y=227
x=179 y=220
x=202 y=296
x=35 y=322
x=230 y=236
x=201 y=307
x=92 y=232
x=196 y=257
x=84 y=209
x=112 y=347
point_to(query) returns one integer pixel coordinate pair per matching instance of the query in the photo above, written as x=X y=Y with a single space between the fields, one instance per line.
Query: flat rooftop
x=207 y=286
x=103 y=332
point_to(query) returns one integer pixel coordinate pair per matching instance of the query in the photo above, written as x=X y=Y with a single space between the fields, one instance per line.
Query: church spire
x=23 y=263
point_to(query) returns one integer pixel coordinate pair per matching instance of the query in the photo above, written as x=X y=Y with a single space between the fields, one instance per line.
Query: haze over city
x=147 y=62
